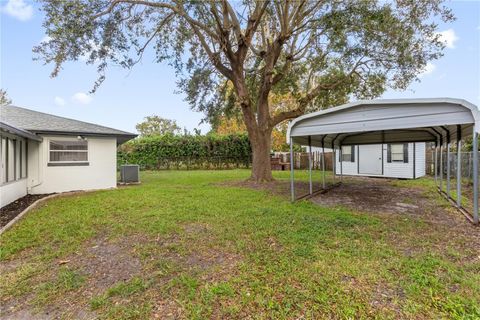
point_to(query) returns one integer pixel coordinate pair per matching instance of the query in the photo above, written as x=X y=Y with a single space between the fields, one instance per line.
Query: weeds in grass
x=66 y=280
x=297 y=260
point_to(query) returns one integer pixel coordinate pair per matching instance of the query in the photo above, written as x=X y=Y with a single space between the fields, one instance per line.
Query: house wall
x=11 y=191
x=34 y=164
x=392 y=169
x=100 y=173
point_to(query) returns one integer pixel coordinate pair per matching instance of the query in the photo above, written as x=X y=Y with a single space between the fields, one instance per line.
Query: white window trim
x=349 y=152
x=70 y=162
x=11 y=158
x=397 y=153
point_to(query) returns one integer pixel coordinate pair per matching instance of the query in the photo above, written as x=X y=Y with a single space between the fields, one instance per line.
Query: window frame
x=351 y=153
x=404 y=153
x=13 y=161
x=55 y=163
x=4 y=160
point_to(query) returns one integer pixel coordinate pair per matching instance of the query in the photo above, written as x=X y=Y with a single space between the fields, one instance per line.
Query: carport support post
x=435 y=165
x=459 y=171
x=340 y=154
x=323 y=166
x=475 y=175
x=441 y=166
x=334 y=163
x=292 y=186
x=448 y=168
x=310 y=164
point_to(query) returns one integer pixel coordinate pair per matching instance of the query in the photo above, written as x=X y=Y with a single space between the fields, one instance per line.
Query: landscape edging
x=37 y=202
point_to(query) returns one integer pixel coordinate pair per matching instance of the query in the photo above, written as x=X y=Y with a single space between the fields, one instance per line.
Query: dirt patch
x=385 y=297
x=375 y=195
x=199 y=254
x=196 y=228
x=106 y=263
x=369 y=195
x=167 y=309
x=103 y=262
x=10 y=211
x=384 y=197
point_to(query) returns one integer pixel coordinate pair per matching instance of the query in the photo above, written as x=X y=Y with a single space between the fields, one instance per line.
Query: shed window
x=398 y=152
x=348 y=153
x=73 y=151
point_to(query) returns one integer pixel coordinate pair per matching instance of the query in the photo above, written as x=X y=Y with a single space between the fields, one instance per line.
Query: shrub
x=187 y=151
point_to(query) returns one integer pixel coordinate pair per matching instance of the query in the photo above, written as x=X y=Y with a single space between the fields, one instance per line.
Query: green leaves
x=155 y=125
x=190 y=151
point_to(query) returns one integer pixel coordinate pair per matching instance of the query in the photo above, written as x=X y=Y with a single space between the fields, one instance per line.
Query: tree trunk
x=261 y=145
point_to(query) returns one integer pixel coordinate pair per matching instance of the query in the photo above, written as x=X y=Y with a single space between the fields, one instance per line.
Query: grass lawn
x=185 y=244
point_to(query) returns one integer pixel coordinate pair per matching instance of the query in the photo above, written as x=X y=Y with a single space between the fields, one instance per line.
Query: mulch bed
x=10 y=211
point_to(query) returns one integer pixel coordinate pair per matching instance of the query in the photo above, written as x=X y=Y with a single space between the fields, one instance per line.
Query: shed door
x=370 y=159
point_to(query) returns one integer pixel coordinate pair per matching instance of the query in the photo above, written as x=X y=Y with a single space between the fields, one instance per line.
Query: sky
x=127 y=96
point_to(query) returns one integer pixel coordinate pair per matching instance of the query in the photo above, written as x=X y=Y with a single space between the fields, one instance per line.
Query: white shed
x=392 y=160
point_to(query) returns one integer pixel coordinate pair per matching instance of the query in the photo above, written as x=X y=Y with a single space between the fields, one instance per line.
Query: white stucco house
x=43 y=153
x=393 y=160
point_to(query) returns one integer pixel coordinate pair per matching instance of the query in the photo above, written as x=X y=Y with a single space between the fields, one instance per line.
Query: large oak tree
x=317 y=52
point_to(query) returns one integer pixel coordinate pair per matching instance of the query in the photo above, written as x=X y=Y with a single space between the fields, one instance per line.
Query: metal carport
x=439 y=120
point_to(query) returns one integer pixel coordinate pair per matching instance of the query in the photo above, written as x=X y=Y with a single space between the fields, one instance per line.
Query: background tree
x=316 y=51
x=155 y=125
x=228 y=120
x=4 y=99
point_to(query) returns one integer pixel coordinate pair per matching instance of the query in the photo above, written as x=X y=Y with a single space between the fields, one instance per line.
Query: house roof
x=19 y=132
x=387 y=121
x=39 y=122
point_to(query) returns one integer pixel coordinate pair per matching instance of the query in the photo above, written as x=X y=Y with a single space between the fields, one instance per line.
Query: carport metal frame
x=393 y=121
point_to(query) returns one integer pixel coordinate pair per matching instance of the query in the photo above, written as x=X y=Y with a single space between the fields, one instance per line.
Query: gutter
x=19 y=132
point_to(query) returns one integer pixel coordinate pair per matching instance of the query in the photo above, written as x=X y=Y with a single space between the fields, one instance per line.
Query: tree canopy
x=155 y=125
x=237 y=54
x=4 y=99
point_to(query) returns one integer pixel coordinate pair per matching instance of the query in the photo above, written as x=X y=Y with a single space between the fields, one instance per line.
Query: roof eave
x=19 y=132
x=121 y=137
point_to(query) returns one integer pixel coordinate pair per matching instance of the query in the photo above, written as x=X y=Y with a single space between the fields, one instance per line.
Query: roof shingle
x=38 y=122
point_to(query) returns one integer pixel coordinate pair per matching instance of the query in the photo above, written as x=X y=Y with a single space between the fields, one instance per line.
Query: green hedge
x=187 y=152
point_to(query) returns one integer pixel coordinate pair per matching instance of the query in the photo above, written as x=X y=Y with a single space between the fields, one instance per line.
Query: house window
x=11 y=159
x=4 y=158
x=348 y=153
x=18 y=158
x=71 y=151
x=23 y=159
x=398 y=152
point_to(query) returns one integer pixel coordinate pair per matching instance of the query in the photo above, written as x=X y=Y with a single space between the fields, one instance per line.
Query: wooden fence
x=301 y=159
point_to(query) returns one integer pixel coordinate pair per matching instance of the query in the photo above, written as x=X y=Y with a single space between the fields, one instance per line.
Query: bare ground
x=105 y=262
x=382 y=197
x=364 y=194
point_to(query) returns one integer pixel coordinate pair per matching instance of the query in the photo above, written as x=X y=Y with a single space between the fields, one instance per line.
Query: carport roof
x=387 y=121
